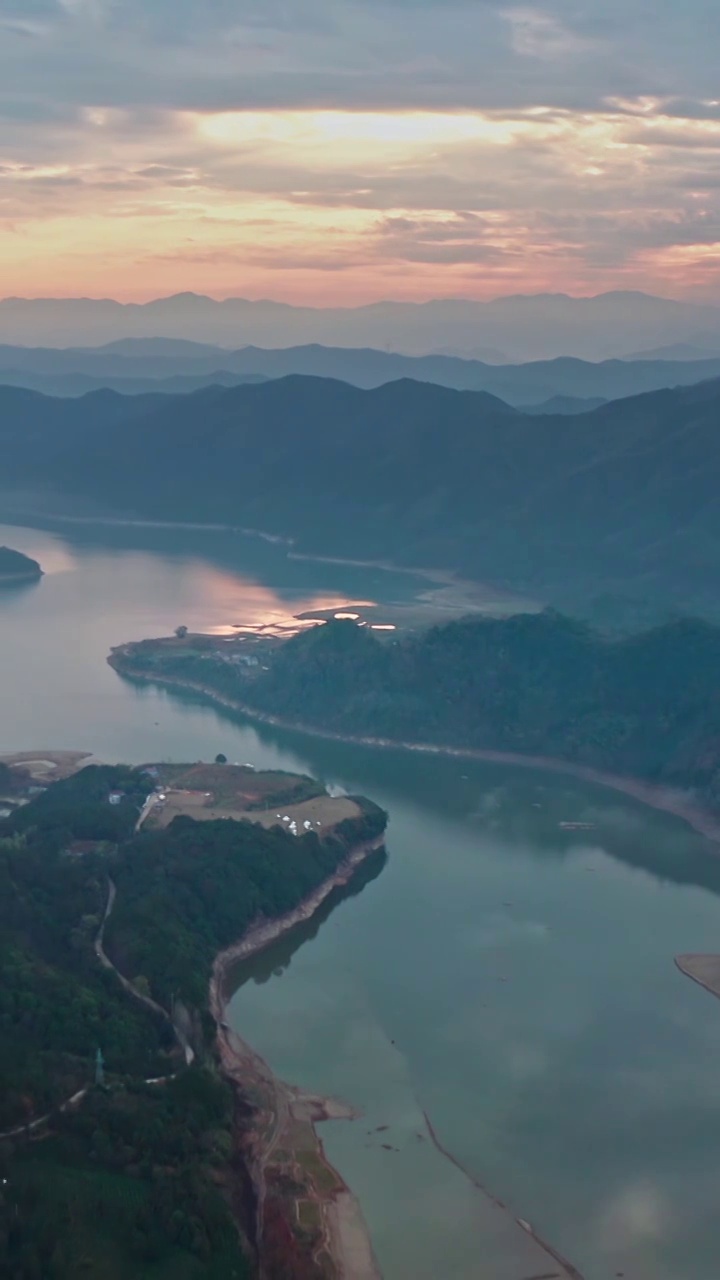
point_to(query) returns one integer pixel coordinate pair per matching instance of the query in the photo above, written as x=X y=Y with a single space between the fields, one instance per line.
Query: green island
x=138 y=1136
x=16 y=567
x=639 y=712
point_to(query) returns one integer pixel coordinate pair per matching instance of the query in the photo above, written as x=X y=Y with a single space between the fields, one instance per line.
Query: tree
x=220 y=758
x=181 y=632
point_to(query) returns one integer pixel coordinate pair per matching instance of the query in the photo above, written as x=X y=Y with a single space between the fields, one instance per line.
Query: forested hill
x=561 y=507
x=15 y=566
x=647 y=706
x=135 y=1179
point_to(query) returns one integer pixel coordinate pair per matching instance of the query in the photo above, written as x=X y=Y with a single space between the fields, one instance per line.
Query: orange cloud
x=333 y=206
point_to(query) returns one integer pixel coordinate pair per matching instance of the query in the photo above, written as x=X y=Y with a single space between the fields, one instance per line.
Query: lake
x=513 y=981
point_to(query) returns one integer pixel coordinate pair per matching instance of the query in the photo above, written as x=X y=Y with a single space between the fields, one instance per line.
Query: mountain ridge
x=619 y=500
x=144 y=364
x=605 y=325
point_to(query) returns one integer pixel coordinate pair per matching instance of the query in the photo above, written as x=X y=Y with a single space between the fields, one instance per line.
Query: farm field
x=207 y=792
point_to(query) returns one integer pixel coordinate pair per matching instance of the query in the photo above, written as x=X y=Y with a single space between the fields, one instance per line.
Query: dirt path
x=78 y=1097
x=22 y=1130
x=149 y=1003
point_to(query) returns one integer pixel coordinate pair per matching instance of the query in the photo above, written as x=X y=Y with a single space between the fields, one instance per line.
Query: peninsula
x=637 y=713
x=127 y=895
x=16 y=567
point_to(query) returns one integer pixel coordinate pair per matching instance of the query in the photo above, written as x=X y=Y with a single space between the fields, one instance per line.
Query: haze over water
x=514 y=981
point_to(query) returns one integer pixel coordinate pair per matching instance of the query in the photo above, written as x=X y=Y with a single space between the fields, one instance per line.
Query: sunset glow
x=212 y=169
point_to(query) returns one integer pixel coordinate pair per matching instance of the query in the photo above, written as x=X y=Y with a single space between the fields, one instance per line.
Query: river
x=512 y=980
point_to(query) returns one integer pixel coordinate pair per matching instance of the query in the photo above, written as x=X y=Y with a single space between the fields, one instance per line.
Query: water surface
x=514 y=981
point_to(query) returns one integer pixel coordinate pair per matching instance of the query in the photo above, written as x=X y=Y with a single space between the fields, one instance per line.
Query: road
x=131 y=990
x=23 y=1129
x=147 y=809
x=77 y=1098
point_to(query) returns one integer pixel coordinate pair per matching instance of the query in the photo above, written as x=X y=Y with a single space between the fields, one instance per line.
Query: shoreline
x=345 y=1228
x=40 y=518
x=664 y=799
x=702 y=968
x=261 y=935
x=345 y=1237
x=442 y=579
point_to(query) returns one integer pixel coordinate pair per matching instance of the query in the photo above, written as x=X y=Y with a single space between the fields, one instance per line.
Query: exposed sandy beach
x=350 y=1241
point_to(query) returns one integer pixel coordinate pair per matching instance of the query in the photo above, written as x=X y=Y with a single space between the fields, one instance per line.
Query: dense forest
x=132 y=1183
x=57 y=1005
x=136 y=1179
x=646 y=705
x=189 y=891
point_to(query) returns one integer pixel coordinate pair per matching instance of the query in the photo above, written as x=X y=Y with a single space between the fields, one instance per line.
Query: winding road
x=74 y=1101
x=133 y=991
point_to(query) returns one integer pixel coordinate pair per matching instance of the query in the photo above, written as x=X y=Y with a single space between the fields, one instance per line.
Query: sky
x=331 y=153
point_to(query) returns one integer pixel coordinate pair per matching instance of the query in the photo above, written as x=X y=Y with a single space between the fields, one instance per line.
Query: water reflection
x=275 y=960
x=523 y=811
x=256 y=559
x=215 y=583
x=10 y=592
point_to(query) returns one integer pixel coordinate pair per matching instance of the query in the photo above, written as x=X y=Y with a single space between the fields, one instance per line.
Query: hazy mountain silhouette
x=81 y=384
x=565 y=404
x=137 y=365
x=518 y=328
x=680 y=351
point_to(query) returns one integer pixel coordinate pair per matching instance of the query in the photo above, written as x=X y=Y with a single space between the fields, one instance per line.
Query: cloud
x=452 y=144
x=639 y=1214
x=399 y=54
x=460 y=238
x=536 y=34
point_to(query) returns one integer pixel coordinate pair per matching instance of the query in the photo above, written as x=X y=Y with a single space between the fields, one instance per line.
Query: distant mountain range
x=619 y=500
x=73 y=385
x=678 y=351
x=565 y=385
x=515 y=329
